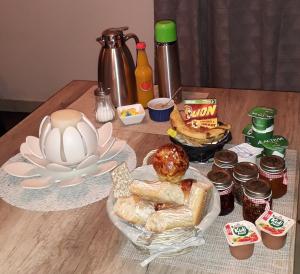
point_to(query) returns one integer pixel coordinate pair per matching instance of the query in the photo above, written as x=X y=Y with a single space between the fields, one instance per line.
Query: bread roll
x=192 y=194
x=170 y=163
x=161 y=192
x=166 y=219
x=199 y=196
x=133 y=209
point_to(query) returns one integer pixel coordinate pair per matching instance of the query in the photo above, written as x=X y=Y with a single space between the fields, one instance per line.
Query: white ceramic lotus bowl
x=67 y=144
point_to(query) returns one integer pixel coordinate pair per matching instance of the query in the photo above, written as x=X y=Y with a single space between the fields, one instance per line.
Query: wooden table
x=84 y=240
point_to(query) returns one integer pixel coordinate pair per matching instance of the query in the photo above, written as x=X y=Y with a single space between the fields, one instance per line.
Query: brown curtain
x=251 y=44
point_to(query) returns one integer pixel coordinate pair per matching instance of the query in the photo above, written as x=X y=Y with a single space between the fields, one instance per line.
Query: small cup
x=241 y=237
x=158 y=112
x=273 y=227
x=132 y=119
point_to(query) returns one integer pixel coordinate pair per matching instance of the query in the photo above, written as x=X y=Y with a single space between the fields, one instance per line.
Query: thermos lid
x=165 y=31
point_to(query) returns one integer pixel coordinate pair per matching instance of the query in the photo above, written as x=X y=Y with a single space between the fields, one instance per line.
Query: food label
x=201 y=113
x=241 y=233
x=146 y=86
x=275 y=143
x=250 y=138
x=274 y=223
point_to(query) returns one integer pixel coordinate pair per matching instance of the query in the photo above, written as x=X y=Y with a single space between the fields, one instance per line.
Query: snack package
x=274 y=228
x=241 y=237
x=201 y=113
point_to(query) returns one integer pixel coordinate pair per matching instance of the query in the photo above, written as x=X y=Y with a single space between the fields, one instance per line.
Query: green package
x=275 y=146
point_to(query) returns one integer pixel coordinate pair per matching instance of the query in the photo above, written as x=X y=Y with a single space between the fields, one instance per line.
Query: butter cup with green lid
x=275 y=146
x=262 y=118
x=250 y=138
x=262 y=113
x=264 y=134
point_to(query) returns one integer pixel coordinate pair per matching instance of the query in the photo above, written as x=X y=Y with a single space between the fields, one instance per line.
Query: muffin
x=170 y=163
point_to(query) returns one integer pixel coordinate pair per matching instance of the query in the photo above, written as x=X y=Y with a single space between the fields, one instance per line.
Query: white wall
x=44 y=44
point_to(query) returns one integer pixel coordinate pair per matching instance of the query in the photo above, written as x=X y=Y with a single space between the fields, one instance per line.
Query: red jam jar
x=272 y=169
x=242 y=173
x=225 y=160
x=223 y=183
x=257 y=199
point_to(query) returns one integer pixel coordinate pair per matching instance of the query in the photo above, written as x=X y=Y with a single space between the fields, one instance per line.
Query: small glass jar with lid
x=243 y=172
x=257 y=199
x=272 y=169
x=104 y=109
x=223 y=183
x=225 y=160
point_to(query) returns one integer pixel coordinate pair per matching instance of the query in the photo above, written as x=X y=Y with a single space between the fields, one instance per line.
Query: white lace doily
x=56 y=198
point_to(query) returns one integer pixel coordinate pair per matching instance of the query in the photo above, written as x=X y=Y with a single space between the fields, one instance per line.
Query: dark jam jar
x=225 y=160
x=243 y=172
x=272 y=169
x=257 y=199
x=223 y=183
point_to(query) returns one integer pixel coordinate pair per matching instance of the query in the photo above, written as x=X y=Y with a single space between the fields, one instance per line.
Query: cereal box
x=201 y=113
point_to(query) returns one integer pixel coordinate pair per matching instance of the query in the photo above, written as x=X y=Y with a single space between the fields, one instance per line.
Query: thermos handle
x=131 y=35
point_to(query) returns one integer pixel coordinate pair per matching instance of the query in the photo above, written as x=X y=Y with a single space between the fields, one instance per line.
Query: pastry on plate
x=170 y=163
x=133 y=209
x=163 y=205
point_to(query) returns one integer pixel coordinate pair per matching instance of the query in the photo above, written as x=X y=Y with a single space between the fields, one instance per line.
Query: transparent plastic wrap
x=170 y=242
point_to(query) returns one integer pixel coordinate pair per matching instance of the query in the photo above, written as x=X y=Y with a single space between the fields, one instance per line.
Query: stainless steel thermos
x=166 y=59
x=116 y=66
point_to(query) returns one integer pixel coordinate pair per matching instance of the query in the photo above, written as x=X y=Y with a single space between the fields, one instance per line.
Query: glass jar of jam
x=257 y=199
x=223 y=183
x=243 y=172
x=225 y=160
x=272 y=169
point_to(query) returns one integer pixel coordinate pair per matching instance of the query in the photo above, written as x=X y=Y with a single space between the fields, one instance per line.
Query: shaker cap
x=100 y=91
x=165 y=31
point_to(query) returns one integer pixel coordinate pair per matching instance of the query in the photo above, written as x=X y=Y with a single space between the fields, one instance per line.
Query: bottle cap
x=141 y=45
x=165 y=31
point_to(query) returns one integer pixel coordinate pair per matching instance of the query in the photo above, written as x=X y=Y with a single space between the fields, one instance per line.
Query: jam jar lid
x=257 y=189
x=272 y=164
x=245 y=171
x=220 y=178
x=225 y=157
